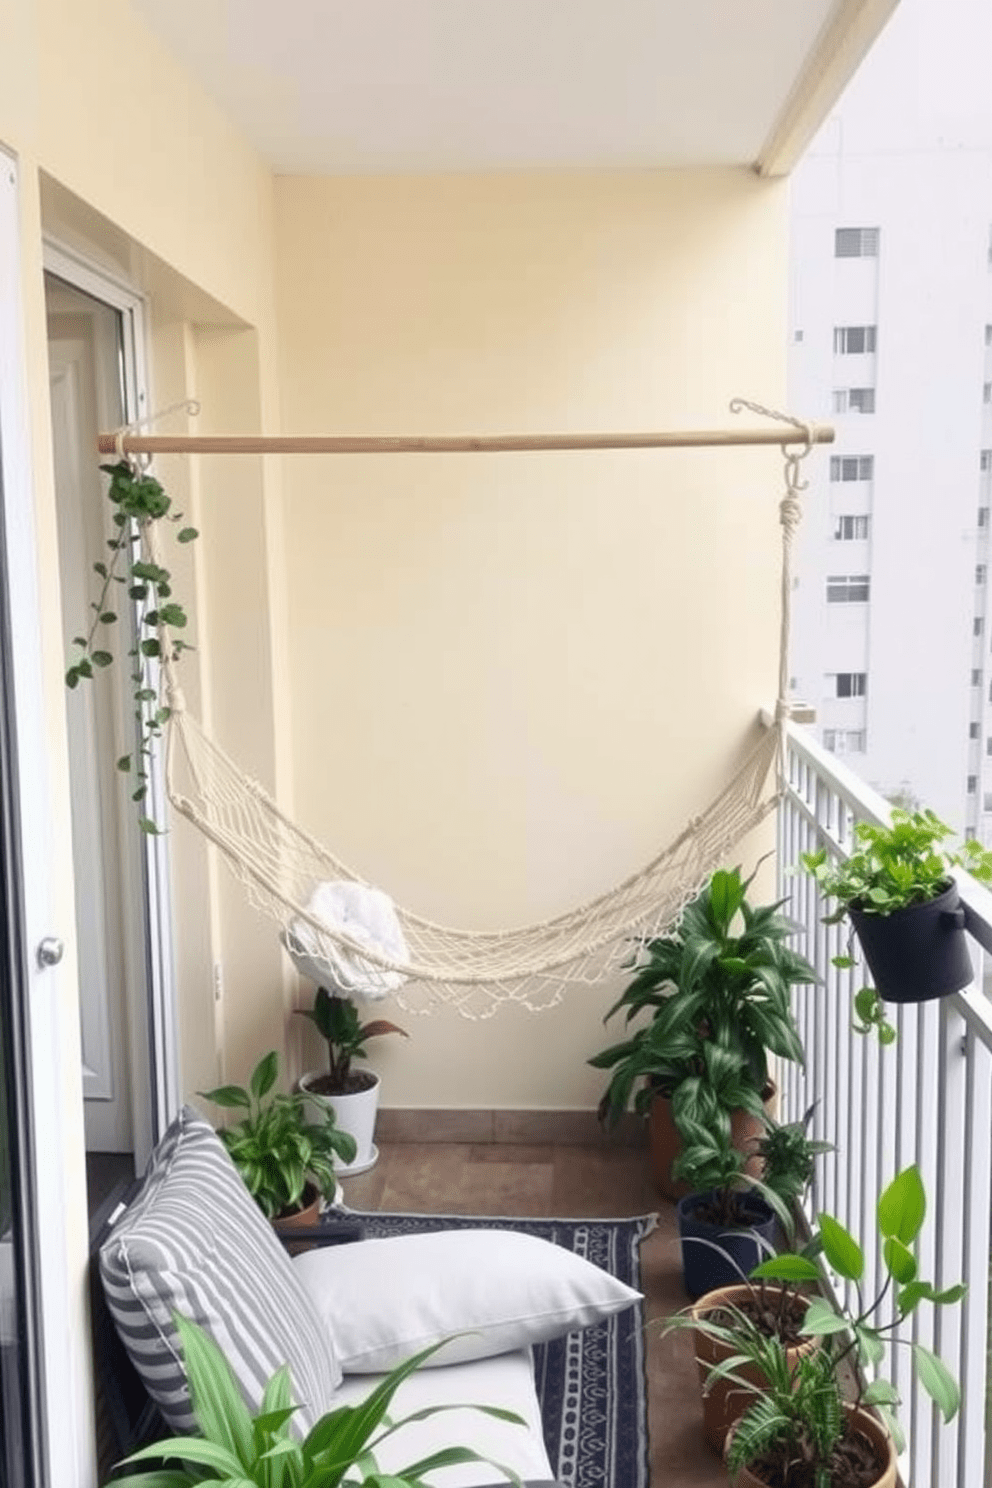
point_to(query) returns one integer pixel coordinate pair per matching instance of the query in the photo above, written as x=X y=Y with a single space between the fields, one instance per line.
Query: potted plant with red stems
x=720 y=980
x=899 y=893
x=353 y=1095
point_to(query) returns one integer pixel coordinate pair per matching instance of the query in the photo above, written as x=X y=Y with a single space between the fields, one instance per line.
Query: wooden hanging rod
x=457 y=444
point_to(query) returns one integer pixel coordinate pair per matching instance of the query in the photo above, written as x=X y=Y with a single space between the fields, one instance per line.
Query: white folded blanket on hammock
x=368 y=917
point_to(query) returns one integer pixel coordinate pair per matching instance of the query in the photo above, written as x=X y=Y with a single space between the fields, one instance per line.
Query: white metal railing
x=925 y=1099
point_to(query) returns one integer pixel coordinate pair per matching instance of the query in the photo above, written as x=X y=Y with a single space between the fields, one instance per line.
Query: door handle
x=50 y=951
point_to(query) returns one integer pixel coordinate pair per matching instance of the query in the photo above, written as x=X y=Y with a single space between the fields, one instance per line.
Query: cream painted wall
x=513 y=677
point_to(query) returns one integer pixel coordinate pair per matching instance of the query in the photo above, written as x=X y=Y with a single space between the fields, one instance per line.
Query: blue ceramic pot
x=714 y=1255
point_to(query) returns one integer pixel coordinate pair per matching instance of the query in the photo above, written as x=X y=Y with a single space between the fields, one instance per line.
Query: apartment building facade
x=891 y=340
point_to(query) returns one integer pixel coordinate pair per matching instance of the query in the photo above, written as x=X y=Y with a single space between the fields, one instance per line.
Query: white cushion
x=383 y=1300
x=507 y=1382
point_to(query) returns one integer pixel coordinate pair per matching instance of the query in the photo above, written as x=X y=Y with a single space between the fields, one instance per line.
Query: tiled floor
x=452 y=1178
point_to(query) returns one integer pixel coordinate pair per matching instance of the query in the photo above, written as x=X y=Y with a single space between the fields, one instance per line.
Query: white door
x=52 y=1254
x=123 y=933
x=81 y=347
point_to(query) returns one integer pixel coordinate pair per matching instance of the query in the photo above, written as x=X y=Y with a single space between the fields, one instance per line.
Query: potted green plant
x=806 y=1413
x=258 y=1451
x=722 y=977
x=727 y=1220
x=788 y=1155
x=284 y=1155
x=902 y=901
x=353 y=1095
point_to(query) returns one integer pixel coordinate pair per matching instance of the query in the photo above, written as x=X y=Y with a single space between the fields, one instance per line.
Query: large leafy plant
x=709 y=1162
x=240 y=1450
x=336 y=1020
x=278 y=1147
x=721 y=981
x=139 y=501
x=809 y=1428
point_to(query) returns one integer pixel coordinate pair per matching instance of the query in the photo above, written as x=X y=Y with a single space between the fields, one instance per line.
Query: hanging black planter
x=919 y=952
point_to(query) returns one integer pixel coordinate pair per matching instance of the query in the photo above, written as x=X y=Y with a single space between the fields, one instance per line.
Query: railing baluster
x=923 y=1436
x=949 y=1212
x=977 y=1205
x=927 y=1098
x=906 y=1023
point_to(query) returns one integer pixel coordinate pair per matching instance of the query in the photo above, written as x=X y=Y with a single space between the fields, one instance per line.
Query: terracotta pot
x=300 y=1219
x=919 y=952
x=665 y=1141
x=866 y=1423
x=726 y=1401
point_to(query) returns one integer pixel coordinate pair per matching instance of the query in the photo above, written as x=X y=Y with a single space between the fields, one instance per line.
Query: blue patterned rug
x=591 y=1384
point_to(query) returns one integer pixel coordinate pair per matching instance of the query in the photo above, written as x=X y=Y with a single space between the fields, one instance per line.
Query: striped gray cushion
x=195 y=1242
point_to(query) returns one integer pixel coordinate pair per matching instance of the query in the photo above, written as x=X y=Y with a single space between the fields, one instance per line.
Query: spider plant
x=242 y=1450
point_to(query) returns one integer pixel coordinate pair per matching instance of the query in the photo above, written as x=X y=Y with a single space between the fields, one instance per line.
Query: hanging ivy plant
x=139 y=501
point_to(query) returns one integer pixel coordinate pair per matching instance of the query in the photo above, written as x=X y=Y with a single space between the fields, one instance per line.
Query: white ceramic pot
x=354 y=1114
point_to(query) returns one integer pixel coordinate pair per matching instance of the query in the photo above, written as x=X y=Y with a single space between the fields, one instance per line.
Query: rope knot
x=790 y=513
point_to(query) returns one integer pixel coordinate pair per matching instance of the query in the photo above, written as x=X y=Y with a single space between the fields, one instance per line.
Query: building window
x=988 y=335
x=854 y=467
x=851 y=684
x=854 y=400
x=797 y=335
x=845 y=741
x=988 y=746
x=985 y=461
x=987 y=392
x=987 y=801
x=854 y=340
x=851 y=529
x=980 y=572
x=973 y=731
x=978 y=625
x=848 y=588
x=983 y=516
x=860 y=242
x=976 y=676
x=972 y=784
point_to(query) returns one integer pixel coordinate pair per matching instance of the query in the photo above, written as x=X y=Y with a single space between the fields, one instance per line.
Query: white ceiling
x=325 y=86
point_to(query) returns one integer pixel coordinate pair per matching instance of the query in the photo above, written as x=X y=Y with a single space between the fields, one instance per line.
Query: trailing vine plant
x=139 y=501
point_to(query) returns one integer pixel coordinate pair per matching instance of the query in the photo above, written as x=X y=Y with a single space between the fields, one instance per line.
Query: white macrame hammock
x=281 y=865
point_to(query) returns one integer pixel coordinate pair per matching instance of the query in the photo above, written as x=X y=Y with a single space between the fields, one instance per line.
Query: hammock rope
x=280 y=864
